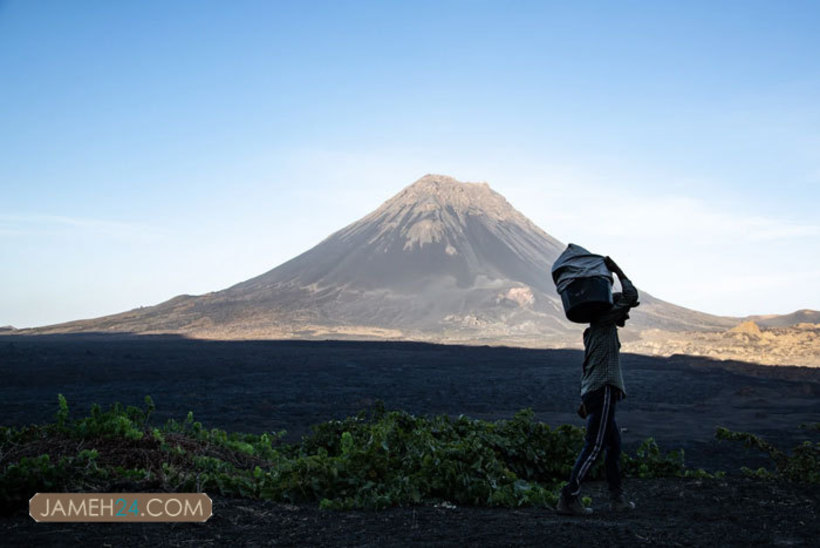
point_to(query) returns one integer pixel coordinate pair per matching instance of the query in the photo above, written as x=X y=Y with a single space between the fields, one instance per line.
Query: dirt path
x=729 y=512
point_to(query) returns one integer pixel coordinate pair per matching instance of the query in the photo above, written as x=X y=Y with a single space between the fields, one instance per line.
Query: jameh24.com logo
x=120 y=507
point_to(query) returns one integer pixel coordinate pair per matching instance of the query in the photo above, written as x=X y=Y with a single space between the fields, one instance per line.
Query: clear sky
x=150 y=149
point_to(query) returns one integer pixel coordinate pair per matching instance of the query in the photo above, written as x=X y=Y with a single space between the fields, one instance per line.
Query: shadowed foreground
x=265 y=386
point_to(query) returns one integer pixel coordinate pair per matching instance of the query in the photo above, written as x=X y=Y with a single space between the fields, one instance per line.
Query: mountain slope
x=441 y=260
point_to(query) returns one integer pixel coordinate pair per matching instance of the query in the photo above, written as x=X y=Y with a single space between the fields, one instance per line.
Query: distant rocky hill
x=785 y=320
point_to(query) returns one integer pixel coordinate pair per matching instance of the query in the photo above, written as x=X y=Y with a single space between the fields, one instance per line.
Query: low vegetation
x=376 y=459
x=801 y=465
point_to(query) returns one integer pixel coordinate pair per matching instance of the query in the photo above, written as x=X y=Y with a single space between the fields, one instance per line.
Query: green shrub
x=802 y=465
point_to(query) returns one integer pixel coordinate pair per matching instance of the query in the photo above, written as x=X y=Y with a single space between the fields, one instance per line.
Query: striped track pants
x=602 y=433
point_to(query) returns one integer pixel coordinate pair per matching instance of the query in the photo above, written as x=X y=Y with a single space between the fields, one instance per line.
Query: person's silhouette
x=602 y=385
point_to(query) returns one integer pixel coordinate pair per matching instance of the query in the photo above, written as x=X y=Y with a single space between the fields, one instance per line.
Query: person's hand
x=610 y=264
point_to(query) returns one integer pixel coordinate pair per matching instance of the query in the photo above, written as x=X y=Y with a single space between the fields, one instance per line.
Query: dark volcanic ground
x=257 y=386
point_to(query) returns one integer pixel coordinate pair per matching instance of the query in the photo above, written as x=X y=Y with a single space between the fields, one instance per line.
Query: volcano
x=440 y=261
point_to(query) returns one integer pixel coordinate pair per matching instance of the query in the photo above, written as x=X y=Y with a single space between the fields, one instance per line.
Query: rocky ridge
x=791 y=345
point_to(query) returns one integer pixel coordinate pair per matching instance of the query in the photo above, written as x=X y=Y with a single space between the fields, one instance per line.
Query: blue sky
x=152 y=149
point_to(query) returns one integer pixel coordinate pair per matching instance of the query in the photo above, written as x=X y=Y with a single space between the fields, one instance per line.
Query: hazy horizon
x=158 y=149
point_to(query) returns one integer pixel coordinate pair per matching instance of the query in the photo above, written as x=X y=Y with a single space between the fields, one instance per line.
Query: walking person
x=602 y=386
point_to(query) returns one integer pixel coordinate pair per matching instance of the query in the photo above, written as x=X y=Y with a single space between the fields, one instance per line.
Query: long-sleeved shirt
x=602 y=348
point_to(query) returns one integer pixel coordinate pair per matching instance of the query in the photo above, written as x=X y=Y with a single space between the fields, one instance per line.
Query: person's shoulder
x=602 y=325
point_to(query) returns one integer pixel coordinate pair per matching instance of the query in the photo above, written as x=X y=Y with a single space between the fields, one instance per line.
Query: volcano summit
x=439 y=261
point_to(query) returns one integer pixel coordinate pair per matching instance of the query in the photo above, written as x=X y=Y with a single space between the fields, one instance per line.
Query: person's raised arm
x=613 y=267
x=629 y=293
